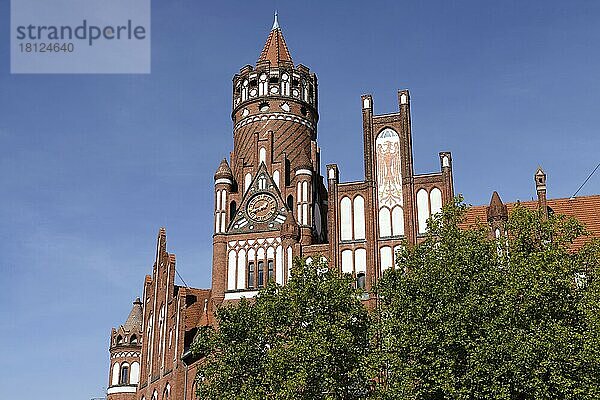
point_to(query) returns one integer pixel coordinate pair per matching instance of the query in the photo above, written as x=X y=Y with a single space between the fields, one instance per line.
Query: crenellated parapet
x=284 y=88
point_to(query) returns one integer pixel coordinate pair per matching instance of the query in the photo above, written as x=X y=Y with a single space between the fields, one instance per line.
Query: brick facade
x=272 y=204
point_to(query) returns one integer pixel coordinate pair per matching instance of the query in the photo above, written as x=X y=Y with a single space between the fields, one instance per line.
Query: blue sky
x=93 y=165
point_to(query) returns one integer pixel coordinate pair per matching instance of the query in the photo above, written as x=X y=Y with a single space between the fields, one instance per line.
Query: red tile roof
x=275 y=50
x=586 y=209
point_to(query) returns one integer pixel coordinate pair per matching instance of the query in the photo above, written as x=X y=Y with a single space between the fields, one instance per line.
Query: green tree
x=466 y=316
x=305 y=340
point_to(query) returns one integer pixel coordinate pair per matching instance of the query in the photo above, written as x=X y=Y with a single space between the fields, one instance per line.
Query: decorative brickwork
x=272 y=204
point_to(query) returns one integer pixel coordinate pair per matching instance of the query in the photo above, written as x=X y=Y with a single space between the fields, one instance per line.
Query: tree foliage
x=467 y=316
x=305 y=340
x=464 y=315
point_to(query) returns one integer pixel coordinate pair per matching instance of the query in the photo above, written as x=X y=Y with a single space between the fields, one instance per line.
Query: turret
x=223 y=186
x=304 y=196
x=497 y=215
x=290 y=235
x=540 y=188
x=446 y=167
x=274 y=95
x=125 y=349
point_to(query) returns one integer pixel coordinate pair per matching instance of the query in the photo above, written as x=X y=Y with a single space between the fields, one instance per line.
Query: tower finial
x=275 y=49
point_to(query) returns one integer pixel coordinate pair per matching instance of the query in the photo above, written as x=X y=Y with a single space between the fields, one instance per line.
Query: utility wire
x=177 y=272
x=586 y=179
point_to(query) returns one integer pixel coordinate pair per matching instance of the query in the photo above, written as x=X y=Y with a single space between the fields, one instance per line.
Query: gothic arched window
x=360 y=280
x=261 y=274
x=232 y=210
x=271 y=270
x=124 y=378
x=251 y=274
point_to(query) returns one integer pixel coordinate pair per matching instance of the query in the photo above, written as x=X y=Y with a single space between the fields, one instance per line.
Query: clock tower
x=273 y=176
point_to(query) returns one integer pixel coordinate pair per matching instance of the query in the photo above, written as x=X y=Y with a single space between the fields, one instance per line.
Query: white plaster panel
x=435 y=197
x=231 y=270
x=279 y=265
x=304 y=191
x=289 y=260
x=247 y=181
x=121 y=389
x=305 y=214
x=238 y=295
x=422 y=209
x=397 y=221
x=347 y=262
x=385 y=228
x=270 y=253
x=115 y=373
x=262 y=155
x=346 y=219
x=135 y=373
x=360 y=256
x=385 y=258
x=241 y=262
x=359 y=217
x=223 y=180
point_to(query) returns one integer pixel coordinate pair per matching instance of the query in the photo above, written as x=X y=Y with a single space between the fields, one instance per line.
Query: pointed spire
x=162 y=240
x=275 y=50
x=540 y=188
x=224 y=171
x=540 y=179
x=303 y=161
x=134 y=321
x=290 y=228
x=540 y=171
x=496 y=210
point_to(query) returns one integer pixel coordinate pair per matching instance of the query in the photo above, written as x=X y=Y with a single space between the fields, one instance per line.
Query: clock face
x=261 y=207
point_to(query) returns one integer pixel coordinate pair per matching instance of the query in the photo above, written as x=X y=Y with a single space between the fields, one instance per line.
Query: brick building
x=273 y=203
